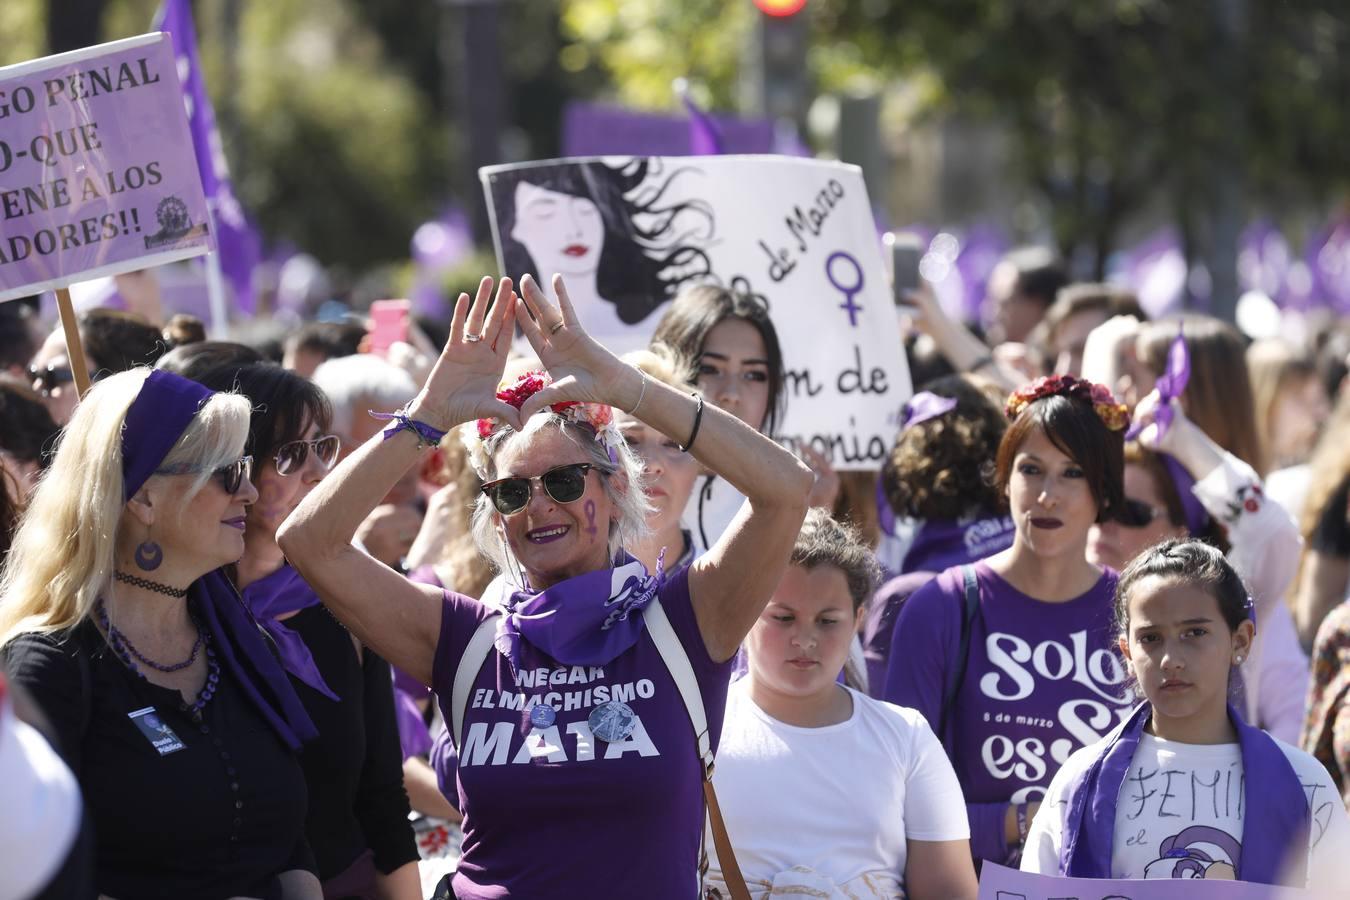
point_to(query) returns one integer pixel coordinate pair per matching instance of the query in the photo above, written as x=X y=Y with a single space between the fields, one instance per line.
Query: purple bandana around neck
x=1274 y=829
x=1170 y=386
x=282 y=592
x=163 y=409
x=587 y=620
x=245 y=655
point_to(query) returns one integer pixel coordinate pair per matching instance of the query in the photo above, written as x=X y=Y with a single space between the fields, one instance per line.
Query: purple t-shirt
x=558 y=812
x=1042 y=680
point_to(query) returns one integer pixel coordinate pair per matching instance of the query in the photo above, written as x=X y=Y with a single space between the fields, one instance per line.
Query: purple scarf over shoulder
x=282 y=592
x=1274 y=830
x=587 y=620
x=156 y=419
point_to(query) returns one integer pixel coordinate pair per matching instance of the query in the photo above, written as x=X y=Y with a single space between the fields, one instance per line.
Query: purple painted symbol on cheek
x=590 y=518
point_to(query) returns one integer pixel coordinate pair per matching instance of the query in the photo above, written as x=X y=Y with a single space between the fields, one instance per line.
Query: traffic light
x=784 y=80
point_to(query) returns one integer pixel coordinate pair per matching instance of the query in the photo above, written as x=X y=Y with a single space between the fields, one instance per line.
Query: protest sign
x=628 y=233
x=97 y=171
x=1001 y=883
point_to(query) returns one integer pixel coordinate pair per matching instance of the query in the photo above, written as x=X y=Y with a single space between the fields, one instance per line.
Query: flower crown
x=1115 y=416
x=596 y=416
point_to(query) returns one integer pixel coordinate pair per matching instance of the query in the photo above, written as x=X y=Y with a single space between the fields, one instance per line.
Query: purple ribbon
x=923 y=406
x=1170 y=386
x=583 y=621
x=1197 y=517
x=282 y=592
x=1275 y=827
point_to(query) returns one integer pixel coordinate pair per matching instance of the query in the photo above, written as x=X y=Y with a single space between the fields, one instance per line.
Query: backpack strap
x=475 y=654
x=677 y=663
x=970 y=608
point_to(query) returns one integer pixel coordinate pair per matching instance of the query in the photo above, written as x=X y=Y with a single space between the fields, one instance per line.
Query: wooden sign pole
x=74 y=346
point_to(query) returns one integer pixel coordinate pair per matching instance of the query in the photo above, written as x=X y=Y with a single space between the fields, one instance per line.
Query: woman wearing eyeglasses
x=163 y=697
x=579 y=771
x=358 y=812
x=1180 y=483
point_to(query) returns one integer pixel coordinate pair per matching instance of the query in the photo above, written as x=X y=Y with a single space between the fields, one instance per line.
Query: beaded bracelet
x=426 y=434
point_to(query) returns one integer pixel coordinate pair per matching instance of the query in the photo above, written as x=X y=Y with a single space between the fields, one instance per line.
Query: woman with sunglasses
x=357 y=823
x=1012 y=659
x=119 y=621
x=1180 y=483
x=579 y=771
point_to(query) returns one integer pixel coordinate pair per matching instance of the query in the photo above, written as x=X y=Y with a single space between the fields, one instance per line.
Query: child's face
x=1180 y=648
x=801 y=640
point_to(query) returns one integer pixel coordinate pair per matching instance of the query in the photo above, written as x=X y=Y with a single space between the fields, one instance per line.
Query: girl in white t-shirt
x=1165 y=795
x=826 y=792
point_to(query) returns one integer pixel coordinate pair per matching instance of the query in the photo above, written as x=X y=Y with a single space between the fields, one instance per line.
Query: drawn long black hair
x=652 y=245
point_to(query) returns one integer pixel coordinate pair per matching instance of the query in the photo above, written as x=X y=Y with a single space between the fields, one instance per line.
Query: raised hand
x=463 y=383
x=582 y=369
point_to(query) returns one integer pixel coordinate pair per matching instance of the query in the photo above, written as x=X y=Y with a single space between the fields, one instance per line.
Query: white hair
x=362 y=379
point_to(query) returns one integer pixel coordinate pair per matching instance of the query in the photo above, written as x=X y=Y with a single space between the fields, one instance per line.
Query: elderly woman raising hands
x=579 y=770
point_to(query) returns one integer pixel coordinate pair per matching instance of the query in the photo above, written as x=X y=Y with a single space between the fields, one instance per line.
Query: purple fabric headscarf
x=282 y=592
x=157 y=418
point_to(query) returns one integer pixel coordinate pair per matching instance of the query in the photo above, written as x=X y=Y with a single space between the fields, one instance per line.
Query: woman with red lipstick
x=357 y=822
x=888 y=821
x=1184 y=788
x=571 y=692
x=1012 y=659
x=119 y=622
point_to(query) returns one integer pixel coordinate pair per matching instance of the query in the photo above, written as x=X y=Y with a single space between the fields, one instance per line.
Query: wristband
x=698 y=421
x=427 y=436
x=642 y=393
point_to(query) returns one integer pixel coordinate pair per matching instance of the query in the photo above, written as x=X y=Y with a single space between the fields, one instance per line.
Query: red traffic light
x=780 y=8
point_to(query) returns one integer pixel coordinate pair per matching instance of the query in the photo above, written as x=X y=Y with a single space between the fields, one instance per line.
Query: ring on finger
x=473 y=338
x=556 y=328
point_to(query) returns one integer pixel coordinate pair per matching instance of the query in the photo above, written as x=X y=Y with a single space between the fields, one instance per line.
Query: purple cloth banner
x=591 y=129
x=237 y=241
x=1000 y=883
x=705 y=136
x=97 y=174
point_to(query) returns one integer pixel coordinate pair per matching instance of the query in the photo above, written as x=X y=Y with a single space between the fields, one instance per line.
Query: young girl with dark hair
x=1184 y=788
x=1011 y=660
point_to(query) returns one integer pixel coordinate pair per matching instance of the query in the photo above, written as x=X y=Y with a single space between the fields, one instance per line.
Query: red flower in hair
x=597 y=415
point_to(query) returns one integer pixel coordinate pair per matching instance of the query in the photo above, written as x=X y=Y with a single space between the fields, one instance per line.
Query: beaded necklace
x=129 y=654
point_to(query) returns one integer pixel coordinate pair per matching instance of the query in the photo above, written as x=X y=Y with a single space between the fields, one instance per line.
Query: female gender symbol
x=849 y=291
x=590 y=517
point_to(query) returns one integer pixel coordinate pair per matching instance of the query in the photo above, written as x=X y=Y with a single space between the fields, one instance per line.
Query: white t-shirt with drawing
x=1180 y=813
x=825 y=808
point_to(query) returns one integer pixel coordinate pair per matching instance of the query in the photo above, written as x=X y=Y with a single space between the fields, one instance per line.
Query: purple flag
x=705 y=138
x=237 y=241
x=592 y=129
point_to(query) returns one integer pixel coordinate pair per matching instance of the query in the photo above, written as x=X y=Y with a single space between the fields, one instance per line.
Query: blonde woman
x=164 y=700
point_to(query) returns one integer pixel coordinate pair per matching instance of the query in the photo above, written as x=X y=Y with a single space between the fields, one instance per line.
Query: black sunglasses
x=231 y=475
x=1137 y=513
x=291 y=455
x=565 y=484
x=49 y=377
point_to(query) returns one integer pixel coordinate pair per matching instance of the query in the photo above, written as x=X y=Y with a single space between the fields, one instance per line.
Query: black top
x=219 y=817
x=1331 y=537
x=355 y=768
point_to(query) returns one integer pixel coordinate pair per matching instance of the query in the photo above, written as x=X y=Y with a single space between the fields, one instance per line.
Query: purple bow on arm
x=1170 y=386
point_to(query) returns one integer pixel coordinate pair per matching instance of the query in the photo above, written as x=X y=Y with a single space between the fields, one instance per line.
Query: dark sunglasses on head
x=565 y=484
x=50 y=377
x=231 y=475
x=290 y=456
x=1137 y=513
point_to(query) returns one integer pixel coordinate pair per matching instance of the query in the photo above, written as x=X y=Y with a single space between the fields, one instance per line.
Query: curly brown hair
x=944 y=468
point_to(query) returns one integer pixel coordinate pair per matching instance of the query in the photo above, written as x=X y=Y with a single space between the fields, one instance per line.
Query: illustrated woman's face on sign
x=563 y=233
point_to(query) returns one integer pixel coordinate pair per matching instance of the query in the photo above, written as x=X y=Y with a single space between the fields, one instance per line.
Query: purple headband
x=923 y=406
x=161 y=412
